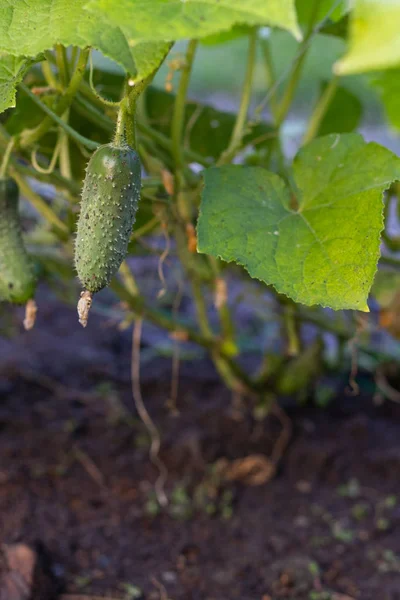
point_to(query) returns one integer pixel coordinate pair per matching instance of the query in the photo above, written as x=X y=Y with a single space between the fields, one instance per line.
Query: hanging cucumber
x=110 y=198
x=17 y=277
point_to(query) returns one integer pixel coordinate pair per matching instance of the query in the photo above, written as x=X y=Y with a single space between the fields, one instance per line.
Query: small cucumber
x=110 y=198
x=17 y=277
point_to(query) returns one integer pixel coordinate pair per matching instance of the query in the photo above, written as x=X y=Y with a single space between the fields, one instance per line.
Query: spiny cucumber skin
x=17 y=277
x=110 y=199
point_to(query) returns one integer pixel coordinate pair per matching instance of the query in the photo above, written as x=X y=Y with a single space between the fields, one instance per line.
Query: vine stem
x=288 y=96
x=128 y=279
x=51 y=166
x=52 y=116
x=119 y=136
x=238 y=130
x=41 y=206
x=178 y=117
x=49 y=75
x=33 y=135
x=55 y=178
x=93 y=88
x=6 y=158
x=320 y=110
x=62 y=64
x=132 y=97
x=270 y=73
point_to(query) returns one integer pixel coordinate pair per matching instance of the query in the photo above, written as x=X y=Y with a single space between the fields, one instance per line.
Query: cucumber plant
x=215 y=187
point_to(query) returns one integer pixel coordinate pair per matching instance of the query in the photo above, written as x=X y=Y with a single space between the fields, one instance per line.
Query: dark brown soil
x=76 y=478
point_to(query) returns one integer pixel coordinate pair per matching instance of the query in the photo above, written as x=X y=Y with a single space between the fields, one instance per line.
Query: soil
x=77 y=483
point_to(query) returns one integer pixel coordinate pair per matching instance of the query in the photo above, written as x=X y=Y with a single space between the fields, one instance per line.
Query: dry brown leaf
x=253 y=470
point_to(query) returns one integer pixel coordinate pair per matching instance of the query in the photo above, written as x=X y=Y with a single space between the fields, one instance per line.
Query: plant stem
x=201 y=308
x=89 y=94
x=294 y=78
x=49 y=75
x=128 y=279
x=290 y=324
x=31 y=136
x=52 y=116
x=131 y=118
x=54 y=178
x=238 y=130
x=74 y=54
x=93 y=88
x=52 y=163
x=271 y=79
x=65 y=158
x=6 y=158
x=224 y=312
x=61 y=65
x=178 y=117
x=320 y=110
x=41 y=206
x=119 y=136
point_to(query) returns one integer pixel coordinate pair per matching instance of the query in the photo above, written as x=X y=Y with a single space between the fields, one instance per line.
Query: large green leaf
x=175 y=19
x=31 y=26
x=12 y=71
x=374 y=37
x=318 y=245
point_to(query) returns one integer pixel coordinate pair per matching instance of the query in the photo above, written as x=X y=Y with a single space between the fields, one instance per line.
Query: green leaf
x=12 y=72
x=32 y=26
x=173 y=19
x=374 y=37
x=318 y=247
x=387 y=84
x=343 y=115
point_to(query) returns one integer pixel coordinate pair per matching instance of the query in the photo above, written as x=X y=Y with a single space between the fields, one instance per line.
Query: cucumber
x=110 y=198
x=17 y=276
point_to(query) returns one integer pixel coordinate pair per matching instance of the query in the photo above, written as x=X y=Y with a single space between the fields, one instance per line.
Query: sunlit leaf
x=318 y=244
x=374 y=37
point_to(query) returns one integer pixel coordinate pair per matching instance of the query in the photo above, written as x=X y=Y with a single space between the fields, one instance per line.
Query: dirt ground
x=77 y=484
